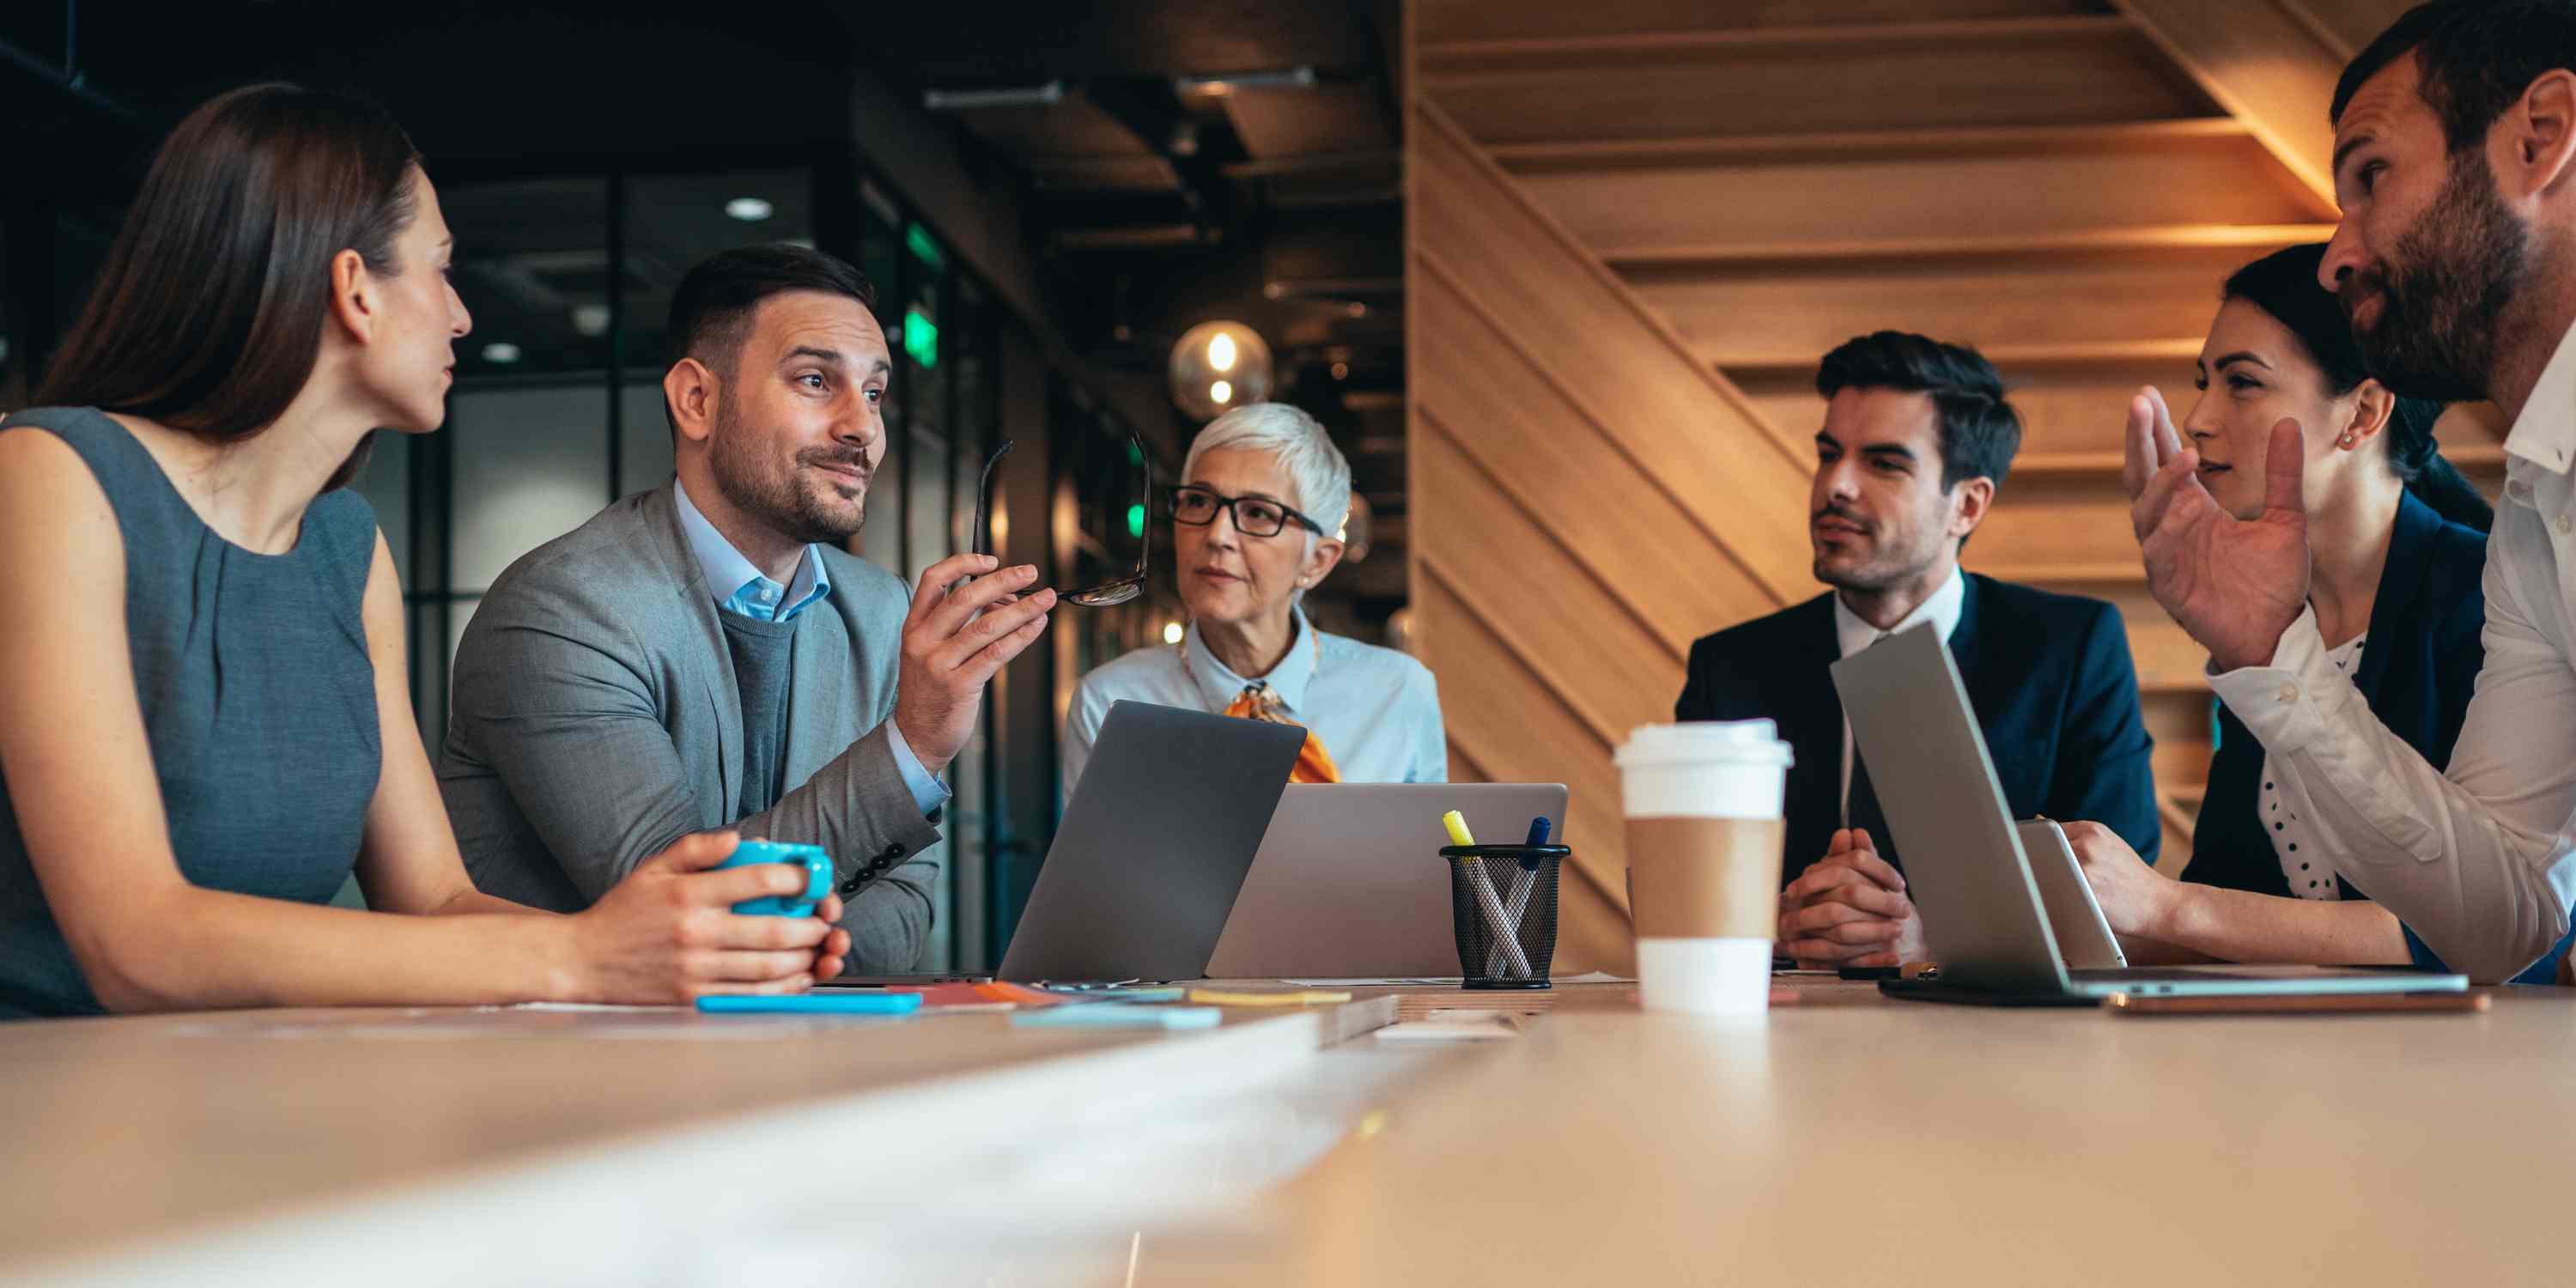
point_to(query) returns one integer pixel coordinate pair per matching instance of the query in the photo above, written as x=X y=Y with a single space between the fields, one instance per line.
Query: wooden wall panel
x=1778 y=205
x=1570 y=630
x=1617 y=521
x=2345 y=27
x=1562 y=313
x=1789 y=317
x=2264 y=64
x=1448 y=20
x=2062 y=71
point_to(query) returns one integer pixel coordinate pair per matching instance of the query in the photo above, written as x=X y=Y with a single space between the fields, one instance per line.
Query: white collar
x=2545 y=433
x=728 y=572
x=1941 y=608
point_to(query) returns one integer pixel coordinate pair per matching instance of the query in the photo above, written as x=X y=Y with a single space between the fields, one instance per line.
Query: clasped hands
x=1850 y=908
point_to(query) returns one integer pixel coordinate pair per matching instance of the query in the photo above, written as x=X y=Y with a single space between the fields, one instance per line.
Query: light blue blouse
x=1377 y=710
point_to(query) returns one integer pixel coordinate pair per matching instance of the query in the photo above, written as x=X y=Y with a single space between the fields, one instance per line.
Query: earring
x=2346 y=441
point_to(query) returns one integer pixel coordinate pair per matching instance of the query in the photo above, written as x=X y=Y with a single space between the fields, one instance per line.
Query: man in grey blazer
x=704 y=655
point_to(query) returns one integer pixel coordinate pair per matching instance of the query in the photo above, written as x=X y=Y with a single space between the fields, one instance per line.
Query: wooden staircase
x=1635 y=228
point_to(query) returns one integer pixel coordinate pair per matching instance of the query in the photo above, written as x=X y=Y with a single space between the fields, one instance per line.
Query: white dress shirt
x=1941 y=608
x=2294 y=843
x=2481 y=862
x=1377 y=710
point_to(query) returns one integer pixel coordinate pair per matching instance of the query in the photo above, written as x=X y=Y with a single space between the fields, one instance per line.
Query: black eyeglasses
x=1254 y=516
x=1107 y=593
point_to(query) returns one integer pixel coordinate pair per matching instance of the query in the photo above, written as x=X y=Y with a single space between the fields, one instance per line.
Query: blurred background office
x=1618 y=235
x=1045 y=198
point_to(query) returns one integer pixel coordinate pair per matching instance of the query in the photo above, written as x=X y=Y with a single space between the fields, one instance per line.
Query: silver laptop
x=1153 y=846
x=1983 y=914
x=1349 y=883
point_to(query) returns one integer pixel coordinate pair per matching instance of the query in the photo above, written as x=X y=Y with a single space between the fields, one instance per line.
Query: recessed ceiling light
x=750 y=210
x=501 y=351
x=591 y=320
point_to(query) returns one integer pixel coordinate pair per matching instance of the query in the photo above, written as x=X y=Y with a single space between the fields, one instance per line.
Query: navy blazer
x=2419 y=667
x=2049 y=676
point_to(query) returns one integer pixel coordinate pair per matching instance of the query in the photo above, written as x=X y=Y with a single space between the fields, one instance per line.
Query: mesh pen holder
x=1502 y=899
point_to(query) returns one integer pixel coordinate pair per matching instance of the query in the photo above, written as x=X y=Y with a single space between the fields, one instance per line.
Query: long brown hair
x=208 y=315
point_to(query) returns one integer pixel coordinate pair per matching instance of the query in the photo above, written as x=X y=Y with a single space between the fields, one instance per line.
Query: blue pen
x=833 y=1003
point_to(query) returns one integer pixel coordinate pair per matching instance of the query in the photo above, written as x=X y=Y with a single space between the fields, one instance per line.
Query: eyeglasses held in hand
x=1254 y=516
x=1101 y=596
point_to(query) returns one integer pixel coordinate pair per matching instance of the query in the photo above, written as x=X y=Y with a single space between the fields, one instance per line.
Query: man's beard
x=774 y=498
x=2443 y=291
x=1890 y=566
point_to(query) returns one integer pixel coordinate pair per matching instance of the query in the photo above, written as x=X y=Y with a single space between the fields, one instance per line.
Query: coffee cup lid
x=1730 y=741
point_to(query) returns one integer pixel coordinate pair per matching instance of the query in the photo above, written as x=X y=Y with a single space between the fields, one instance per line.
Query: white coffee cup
x=1704 y=835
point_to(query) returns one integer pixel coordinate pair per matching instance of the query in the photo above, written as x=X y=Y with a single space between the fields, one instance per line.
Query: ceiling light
x=501 y=351
x=591 y=320
x=750 y=210
x=1216 y=366
x=1220 y=86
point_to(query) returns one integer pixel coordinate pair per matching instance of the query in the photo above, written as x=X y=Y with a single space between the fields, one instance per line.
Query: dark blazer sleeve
x=2104 y=757
x=1697 y=700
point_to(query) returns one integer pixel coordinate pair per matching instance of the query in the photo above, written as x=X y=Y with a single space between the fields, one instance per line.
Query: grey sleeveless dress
x=257 y=695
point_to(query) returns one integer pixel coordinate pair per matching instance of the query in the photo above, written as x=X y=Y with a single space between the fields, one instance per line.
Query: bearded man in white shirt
x=2455 y=167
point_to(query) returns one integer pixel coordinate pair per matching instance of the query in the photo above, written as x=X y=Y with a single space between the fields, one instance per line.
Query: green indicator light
x=921 y=337
x=924 y=247
x=1135 y=521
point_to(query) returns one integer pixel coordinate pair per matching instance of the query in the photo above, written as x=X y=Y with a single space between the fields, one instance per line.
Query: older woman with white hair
x=1256 y=523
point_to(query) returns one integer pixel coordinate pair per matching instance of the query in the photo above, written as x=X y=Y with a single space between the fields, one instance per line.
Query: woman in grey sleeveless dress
x=204 y=718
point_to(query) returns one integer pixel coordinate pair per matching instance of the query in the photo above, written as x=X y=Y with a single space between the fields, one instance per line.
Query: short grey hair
x=1316 y=469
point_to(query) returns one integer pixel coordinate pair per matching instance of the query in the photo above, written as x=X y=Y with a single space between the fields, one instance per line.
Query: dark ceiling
x=1190 y=160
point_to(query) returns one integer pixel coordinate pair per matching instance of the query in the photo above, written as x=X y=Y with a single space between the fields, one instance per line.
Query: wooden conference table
x=1845 y=1139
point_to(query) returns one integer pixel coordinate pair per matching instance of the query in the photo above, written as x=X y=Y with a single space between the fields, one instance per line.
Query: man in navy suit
x=1916 y=441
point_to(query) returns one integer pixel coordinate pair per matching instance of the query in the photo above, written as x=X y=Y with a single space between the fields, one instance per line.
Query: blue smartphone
x=811 y=859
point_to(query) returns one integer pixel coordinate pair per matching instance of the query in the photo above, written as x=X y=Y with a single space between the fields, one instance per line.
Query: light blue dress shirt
x=755 y=596
x=1377 y=710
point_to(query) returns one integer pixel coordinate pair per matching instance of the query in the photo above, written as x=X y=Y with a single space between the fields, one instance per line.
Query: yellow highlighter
x=1457 y=825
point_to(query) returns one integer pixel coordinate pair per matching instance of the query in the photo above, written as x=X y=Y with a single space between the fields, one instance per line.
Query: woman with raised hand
x=204 y=717
x=2400 y=544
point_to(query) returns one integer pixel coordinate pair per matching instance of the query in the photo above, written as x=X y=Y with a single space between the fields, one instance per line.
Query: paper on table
x=1453 y=1026
x=1598 y=977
